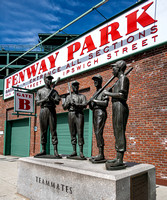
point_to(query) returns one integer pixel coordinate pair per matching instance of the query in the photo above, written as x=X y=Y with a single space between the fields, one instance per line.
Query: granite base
x=67 y=179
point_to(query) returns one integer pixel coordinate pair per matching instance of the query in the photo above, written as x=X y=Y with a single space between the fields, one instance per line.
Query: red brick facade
x=146 y=131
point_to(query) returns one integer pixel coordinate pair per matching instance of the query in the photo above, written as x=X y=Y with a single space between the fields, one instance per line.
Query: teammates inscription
x=57 y=186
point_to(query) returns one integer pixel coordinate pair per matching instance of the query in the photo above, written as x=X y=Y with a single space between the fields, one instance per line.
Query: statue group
x=75 y=103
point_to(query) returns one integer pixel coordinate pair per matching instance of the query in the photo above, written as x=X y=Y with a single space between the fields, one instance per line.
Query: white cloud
x=49 y=17
x=74 y=3
x=9 y=4
x=52 y=6
x=54 y=27
x=27 y=18
x=63 y=10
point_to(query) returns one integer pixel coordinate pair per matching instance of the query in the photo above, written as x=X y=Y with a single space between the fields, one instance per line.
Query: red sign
x=24 y=102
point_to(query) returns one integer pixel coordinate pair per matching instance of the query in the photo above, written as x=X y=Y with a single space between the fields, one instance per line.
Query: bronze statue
x=76 y=103
x=120 y=112
x=99 y=105
x=48 y=98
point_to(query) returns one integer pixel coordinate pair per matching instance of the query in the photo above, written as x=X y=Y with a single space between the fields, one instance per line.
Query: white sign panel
x=137 y=29
x=24 y=102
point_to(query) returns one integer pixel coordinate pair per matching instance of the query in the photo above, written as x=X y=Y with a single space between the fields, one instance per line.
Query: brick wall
x=2 y=117
x=147 y=126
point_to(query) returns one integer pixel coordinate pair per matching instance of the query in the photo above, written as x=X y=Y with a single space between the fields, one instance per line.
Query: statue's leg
x=100 y=156
x=43 y=118
x=119 y=126
x=96 y=129
x=112 y=161
x=74 y=150
x=99 y=123
x=118 y=161
x=81 y=151
x=80 y=127
x=43 y=152
x=56 y=152
x=116 y=126
x=72 y=127
x=53 y=130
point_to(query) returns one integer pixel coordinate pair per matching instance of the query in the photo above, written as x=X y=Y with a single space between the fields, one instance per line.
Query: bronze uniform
x=76 y=117
x=120 y=113
x=99 y=119
x=47 y=115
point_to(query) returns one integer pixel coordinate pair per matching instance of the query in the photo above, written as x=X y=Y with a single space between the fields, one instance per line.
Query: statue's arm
x=55 y=98
x=122 y=94
x=103 y=103
x=38 y=99
x=118 y=95
x=83 y=103
x=91 y=105
x=66 y=103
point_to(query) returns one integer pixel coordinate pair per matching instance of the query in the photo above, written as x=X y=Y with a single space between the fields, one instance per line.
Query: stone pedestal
x=67 y=179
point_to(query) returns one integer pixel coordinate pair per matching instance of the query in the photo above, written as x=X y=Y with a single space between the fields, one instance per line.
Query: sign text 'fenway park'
x=137 y=29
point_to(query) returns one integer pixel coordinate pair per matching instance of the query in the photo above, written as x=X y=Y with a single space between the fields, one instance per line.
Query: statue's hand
x=93 y=102
x=46 y=98
x=72 y=102
x=57 y=98
x=104 y=93
x=51 y=98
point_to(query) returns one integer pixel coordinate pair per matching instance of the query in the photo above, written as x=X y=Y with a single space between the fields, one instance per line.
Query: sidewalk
x=8 y=181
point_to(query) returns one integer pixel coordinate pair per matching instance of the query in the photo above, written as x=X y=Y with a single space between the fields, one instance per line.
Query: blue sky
x=22 y=20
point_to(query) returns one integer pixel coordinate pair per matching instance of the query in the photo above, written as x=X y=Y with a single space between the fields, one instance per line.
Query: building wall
x=147 y=126
x=2 y=118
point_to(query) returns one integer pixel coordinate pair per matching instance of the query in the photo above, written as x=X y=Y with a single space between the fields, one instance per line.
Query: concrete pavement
x=8 y=181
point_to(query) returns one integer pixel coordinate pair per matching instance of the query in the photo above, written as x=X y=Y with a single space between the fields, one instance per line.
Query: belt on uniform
x=47 y=106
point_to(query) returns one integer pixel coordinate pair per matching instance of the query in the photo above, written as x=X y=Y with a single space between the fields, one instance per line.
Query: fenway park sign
x=137 y=29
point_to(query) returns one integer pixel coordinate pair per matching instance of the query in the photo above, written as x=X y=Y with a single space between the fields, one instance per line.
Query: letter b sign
x=24 y=104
